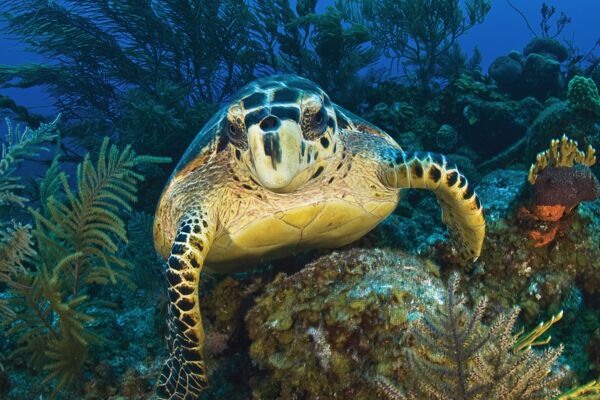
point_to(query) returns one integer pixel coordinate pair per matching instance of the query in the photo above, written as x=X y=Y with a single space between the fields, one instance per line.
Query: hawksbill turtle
x=281 y=169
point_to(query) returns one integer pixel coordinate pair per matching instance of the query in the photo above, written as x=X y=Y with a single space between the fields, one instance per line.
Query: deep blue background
x=503 y=30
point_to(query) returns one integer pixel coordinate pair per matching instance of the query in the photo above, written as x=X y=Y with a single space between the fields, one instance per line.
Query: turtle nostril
x=270 y=123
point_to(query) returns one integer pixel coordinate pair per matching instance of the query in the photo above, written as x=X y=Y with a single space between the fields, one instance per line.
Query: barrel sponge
x=582 y=94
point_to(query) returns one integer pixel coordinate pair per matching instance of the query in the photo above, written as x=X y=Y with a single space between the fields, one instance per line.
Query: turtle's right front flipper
x=183 y=376
x=461 y=209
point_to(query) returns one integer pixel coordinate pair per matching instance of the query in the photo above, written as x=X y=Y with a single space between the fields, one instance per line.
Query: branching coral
x=589 y=391
x=16 y=245
x=561 y=179
x=324 y=47
x=523 y=341
x=547 y=14
x=422 y=33
x=20 y=143
x=460 y=358
x=88 y=222
x=567 y=155
x=77 y=235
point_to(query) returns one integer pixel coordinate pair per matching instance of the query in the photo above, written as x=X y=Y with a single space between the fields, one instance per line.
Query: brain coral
x=326 y=331
x=582 y=95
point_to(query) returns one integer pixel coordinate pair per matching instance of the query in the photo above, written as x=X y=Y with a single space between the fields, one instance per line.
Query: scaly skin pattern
x=279 y=170
x=184 y=373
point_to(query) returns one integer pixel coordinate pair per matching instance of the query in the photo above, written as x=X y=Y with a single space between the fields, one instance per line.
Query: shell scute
x=205 y=141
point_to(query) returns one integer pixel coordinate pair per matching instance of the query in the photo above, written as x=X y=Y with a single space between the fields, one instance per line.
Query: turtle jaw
x=275 y=155
x=282 y=160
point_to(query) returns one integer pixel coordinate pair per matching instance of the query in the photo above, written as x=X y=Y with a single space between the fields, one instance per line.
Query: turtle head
x=283 y=130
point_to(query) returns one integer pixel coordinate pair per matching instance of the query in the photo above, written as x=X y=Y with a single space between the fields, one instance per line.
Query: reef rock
x=513 y=270
x=446 y=138
x=328 y=330
x=547 y=46
x=392 y=118
x=541 y=76
x=499 y=190
x=595 y=75
x=492 y=126
x=507 y=72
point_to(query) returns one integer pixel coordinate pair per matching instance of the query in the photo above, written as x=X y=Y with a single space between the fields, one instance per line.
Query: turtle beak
x=275 y=148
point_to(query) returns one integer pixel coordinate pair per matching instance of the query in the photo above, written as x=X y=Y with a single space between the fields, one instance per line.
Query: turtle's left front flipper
x=461 y=209
x=184 y=376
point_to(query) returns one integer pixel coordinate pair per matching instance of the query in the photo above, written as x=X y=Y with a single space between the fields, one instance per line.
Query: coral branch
x=567 y=155
x=524 y=341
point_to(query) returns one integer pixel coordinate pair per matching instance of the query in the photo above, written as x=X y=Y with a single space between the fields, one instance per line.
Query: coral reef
x=507 y=72
x=457 y=357
x=394 y=118
x=558 y=276
x=512 y=270
x=339 y=322
x=547 y=46
x=446 y=138
x=488 y=121
x=348 y=323
x=76 y=239
x=82 y=302
x=561 y=179
x=536 y=72
x=420 y=47
x=541 y=76
x=582 y=95
x=572 y=116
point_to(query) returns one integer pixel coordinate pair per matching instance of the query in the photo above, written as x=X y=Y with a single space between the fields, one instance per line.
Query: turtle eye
x=315 y=124
x=319 y=120
x=234 y=131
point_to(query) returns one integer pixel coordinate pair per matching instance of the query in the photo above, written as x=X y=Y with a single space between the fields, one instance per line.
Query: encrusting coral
x=328 y=329
x=561 y=179
x=354 y=322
